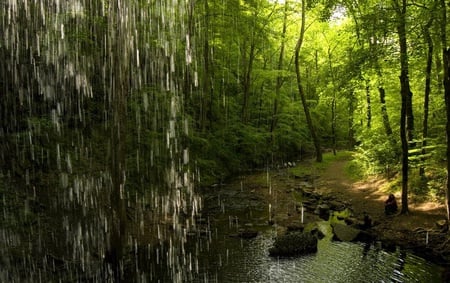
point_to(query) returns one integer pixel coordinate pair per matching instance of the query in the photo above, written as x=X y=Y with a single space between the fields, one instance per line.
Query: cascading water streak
x=95 y=177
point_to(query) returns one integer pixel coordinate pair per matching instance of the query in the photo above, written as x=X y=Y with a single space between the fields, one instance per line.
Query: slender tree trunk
x=386 y=121
x=206 y=98
x=279 y=84
x=260 y=106
x=406 y=123
x=333 y=104
x=247 y=79
x=427 y=92
x=382 y=92
x=189 y=69
x=369 y=106
x=351 y=110
x=384 y=113
x=446 y=83
x=301 y=91
x=333 y=122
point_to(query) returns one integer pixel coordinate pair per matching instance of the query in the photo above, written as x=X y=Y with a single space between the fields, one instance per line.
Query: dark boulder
x=336 y=205
x=317 y=233
x=323 y=210
x=294 y=244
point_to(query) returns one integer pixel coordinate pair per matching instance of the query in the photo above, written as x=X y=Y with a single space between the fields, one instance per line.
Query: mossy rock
x=345 y=233
x=294 y=244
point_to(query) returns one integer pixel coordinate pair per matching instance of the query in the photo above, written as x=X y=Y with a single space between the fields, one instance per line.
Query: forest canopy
x=369 y=74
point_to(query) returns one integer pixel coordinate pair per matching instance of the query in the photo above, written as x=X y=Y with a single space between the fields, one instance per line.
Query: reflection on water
x=236 y=260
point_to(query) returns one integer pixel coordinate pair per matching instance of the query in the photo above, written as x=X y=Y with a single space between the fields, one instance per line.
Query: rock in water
x=323 y=210
x=294 y=244
x=345 y=233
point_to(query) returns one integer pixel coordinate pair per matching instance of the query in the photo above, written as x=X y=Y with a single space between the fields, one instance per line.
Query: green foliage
x=316 y=168
x=229 y=150
x=377 y=153
x=354 y=171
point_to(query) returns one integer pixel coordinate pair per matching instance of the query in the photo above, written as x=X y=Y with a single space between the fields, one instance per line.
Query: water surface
x=237 y=260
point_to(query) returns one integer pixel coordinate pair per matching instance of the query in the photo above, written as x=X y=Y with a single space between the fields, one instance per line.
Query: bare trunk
x=351 y=109
x=384 y=113
x=279 y=77
x=333 y=103
x=427 y=92
x=247 y=80
x=406 y=119
x=301 y=91
x=446 y=83
x=369 y=106
x=206 y=98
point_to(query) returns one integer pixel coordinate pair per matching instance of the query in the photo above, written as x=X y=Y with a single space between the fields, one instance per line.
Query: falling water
x=95 y=172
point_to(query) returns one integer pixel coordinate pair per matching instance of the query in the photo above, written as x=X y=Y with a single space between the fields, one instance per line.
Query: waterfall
x=96 y=177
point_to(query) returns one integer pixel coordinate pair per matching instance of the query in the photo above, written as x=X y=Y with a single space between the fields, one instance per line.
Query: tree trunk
x=279 y=84
x=406 y=123
x=333 y=104
x=351 y=110
x=206 y=98
x=333 y=122
x=384 y=113
x=301 y=91
x=369 y=106
x=426 y=93
x=446 y=83
x=246 y=83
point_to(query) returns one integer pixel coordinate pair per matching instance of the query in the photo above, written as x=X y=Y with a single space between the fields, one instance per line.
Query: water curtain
x=94 y=138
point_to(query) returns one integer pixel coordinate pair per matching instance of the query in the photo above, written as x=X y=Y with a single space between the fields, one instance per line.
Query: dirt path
x=367 y=196
x=416 y=231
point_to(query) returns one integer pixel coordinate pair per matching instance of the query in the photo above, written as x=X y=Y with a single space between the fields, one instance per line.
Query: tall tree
x=301 y=91
x=406 y=119
x=207 y=73
x=369 y=105
x=280 y=80
x=426 y=100
x=247 y=61
x=446 y=82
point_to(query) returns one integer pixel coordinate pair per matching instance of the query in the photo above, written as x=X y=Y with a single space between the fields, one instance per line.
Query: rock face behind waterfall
x=294 y=244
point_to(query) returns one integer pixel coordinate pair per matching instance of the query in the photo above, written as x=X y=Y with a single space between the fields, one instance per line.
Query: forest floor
x=407 y=230
x=416 y=231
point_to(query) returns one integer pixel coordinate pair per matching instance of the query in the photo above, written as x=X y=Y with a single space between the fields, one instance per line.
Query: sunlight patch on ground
x=427 y=206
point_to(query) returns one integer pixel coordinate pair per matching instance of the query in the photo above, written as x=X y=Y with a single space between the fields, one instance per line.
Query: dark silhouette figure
x=390 y=205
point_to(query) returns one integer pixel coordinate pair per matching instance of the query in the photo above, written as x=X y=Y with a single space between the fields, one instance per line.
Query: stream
x=214 y=252
x=235 y=260
x=227 y=258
